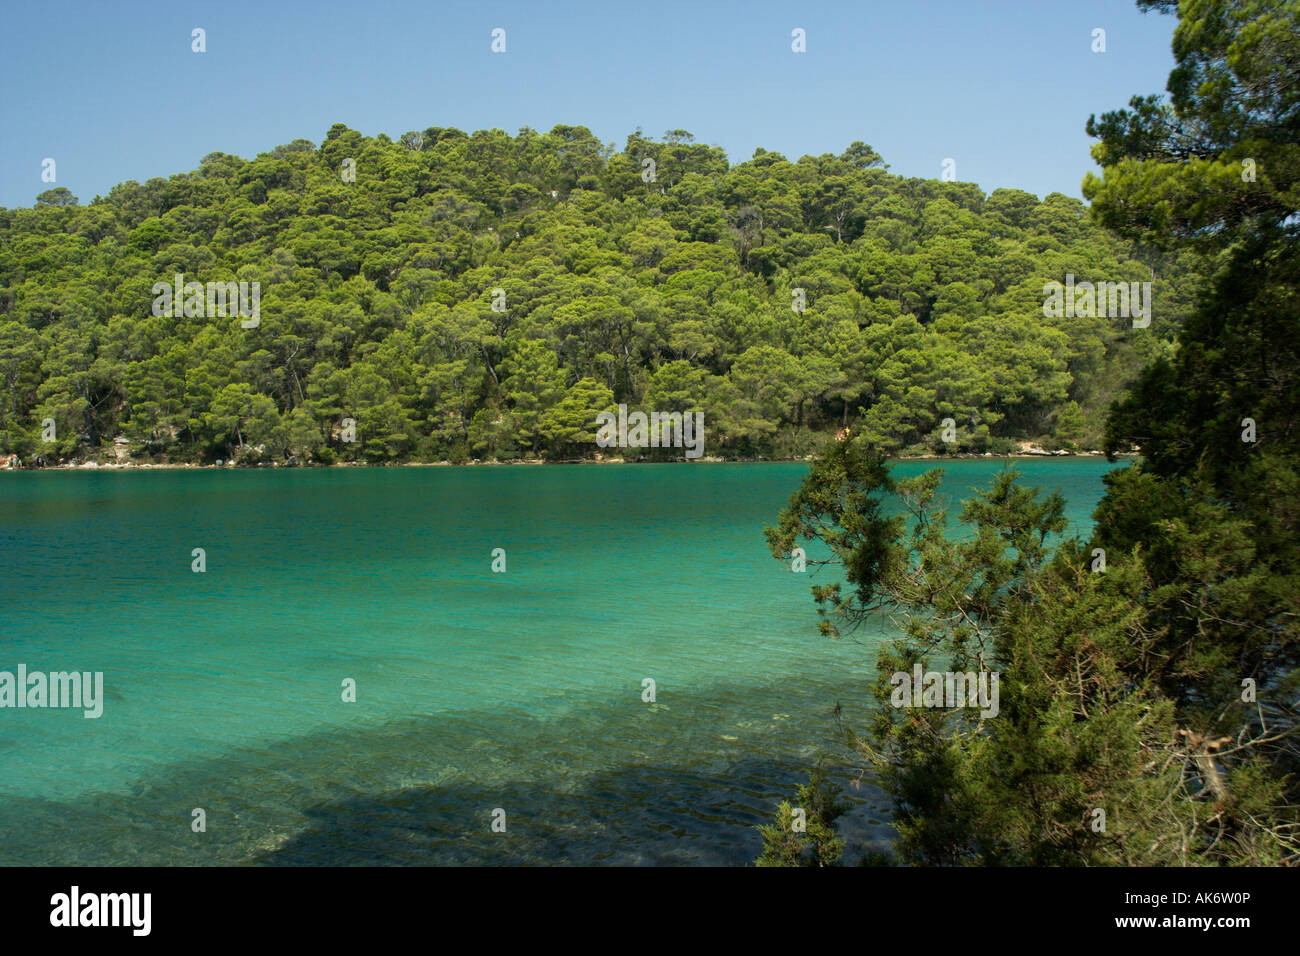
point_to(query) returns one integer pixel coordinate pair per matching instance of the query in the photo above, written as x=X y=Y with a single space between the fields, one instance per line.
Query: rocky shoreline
x=1026 y=451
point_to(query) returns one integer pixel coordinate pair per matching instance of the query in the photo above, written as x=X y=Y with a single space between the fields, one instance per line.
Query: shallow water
x=475 y=690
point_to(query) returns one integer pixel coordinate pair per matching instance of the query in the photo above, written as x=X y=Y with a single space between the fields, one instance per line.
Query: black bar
x=624 y=906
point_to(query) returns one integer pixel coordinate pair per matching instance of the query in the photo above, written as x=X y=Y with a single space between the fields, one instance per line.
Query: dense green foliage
x=924 y=300
x=1075 y=723
x=803 y=833
x=1152 y=673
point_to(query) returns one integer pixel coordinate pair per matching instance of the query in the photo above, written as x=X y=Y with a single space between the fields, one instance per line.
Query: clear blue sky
x=113 y=92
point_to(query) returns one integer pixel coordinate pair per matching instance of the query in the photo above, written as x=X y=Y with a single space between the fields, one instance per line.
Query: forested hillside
x=484 y=296
x=1149 y=711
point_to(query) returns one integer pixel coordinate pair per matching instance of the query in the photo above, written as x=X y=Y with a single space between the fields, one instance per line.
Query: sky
x=113 y=91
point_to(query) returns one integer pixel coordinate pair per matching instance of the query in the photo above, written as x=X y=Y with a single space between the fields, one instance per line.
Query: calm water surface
x=475 y=690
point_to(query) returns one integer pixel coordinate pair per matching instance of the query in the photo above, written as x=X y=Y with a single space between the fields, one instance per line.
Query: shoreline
x=707 y=460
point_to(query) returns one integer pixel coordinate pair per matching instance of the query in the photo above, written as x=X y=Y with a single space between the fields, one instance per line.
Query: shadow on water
x=628 y=817
x=622 y=782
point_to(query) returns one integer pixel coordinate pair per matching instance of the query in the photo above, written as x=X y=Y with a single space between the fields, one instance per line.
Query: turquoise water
x=475 y=690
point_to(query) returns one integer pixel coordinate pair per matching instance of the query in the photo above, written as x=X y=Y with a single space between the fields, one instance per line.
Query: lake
x=475 y=691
